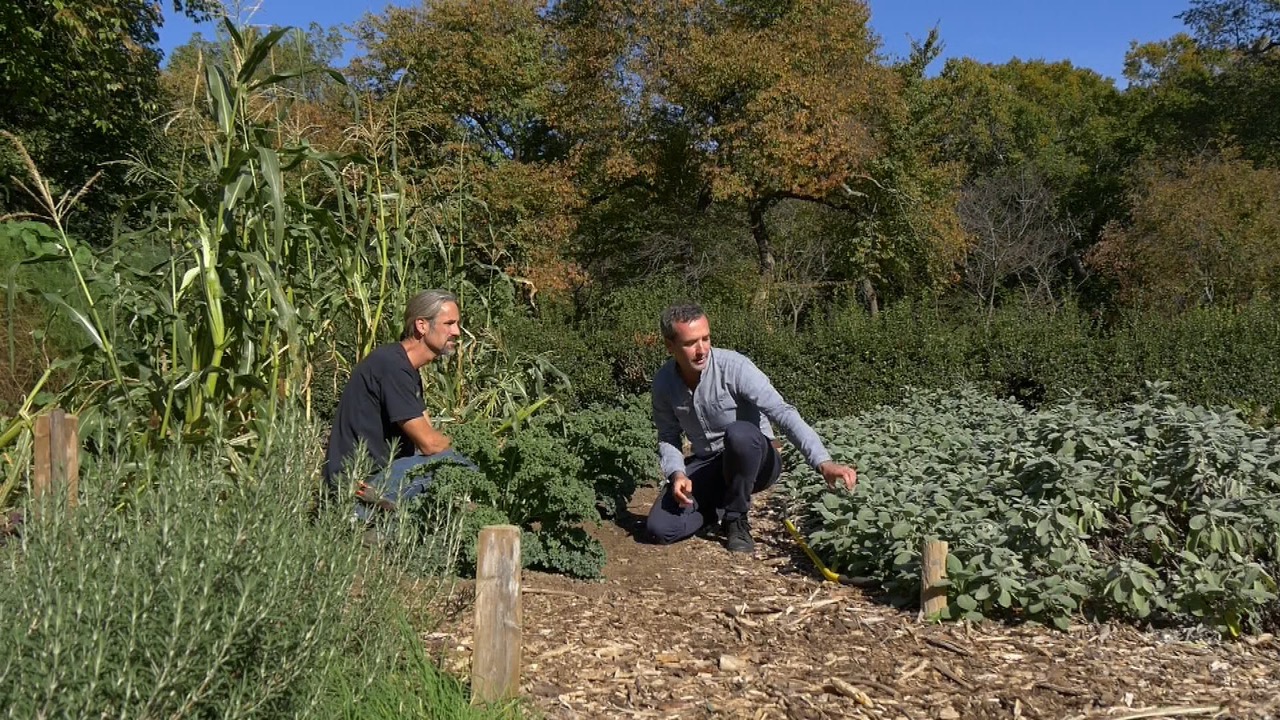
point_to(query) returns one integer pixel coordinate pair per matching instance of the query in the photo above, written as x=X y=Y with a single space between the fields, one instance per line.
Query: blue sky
x=1090 y=33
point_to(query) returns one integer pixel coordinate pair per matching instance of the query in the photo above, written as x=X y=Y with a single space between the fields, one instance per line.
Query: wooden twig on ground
x=811 y=606
x=914 y=671
x=952 y=675
x=849 y=691
x=739 y=610
x=549 y=591
x=1171 y=711
x=939 y=643
x=1070 y=692
x=874 y=685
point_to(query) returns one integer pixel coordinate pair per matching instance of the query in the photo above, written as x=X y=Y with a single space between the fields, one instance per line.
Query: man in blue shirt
x=724 y=405
x=381 y=409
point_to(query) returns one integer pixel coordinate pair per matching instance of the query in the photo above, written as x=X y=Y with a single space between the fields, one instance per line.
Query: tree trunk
x=873 y=300
x=760 y=232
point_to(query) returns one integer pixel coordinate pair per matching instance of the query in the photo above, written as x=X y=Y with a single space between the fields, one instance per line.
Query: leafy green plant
x=1155 y=511
x=552 y=477
x=616 y=446
x=529 y=479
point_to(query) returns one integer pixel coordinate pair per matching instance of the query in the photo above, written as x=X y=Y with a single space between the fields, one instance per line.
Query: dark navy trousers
x=722 y=484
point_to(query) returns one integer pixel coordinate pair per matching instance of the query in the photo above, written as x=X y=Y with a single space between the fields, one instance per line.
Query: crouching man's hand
x=682 y=489
x=834 y=472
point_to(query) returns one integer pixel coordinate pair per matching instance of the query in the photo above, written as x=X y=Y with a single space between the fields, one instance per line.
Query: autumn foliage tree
x=700 y=104
x=767 y=145
x=78 y=84
x=1205 y=231
x=472 y=84
x=1217 y=84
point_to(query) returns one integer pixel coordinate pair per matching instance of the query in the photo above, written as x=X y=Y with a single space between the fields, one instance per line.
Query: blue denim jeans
x=390 y=481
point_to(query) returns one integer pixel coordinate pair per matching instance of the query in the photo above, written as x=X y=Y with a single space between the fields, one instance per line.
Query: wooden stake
x=42 y=480
x=933 y=568
x=57 y=470
x=495 y=659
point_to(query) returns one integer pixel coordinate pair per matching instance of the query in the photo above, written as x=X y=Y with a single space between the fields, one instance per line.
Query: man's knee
x=744 y=436
x=669 y=523
x=662 y=529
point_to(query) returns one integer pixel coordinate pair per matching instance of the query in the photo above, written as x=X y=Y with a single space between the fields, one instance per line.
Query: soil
x=693 y=631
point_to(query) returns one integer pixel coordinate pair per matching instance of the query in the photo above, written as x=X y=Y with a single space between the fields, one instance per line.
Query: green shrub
x=552 y=477
x=618 y=449
x=181 y=587
x=845 y=361
x=1153 y=511
x=529 y=479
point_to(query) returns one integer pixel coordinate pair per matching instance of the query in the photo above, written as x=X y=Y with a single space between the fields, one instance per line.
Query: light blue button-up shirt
x=731 y=388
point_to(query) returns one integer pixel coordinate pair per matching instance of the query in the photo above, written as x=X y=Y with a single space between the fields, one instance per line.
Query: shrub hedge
x=845 y=361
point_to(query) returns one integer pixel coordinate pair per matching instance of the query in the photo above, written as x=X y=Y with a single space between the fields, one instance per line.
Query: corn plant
x=259 y=266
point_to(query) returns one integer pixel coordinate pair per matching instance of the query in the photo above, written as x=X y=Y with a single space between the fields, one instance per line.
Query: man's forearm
x=671 y=459
x=431 y=448
x=425 y=437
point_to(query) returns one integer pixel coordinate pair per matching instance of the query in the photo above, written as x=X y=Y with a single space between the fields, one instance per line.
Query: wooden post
x=57 y=436
x=933 y=568
x=495 y=658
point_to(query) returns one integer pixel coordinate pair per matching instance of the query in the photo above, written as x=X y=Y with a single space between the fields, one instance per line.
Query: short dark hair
x=680 y=313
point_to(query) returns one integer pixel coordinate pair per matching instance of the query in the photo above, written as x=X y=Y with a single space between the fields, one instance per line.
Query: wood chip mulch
x=691 y=631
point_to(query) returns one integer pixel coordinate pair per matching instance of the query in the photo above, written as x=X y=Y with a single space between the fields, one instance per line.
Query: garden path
x=691 y=631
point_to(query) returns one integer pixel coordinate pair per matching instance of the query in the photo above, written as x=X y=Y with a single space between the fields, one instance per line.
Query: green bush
x=845 y=361
x=552 y=477
x=184 y=588
x=618 y=450
x=1152 y=511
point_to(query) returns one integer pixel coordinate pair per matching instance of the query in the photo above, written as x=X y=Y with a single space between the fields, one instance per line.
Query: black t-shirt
x=384 y=391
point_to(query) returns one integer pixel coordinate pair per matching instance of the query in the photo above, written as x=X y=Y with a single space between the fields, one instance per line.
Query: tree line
x=770 y=146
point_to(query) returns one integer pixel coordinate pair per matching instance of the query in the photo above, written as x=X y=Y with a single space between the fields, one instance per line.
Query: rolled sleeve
x=669 y=433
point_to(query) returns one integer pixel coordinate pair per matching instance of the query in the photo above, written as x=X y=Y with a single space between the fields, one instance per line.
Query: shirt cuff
x=815 y=462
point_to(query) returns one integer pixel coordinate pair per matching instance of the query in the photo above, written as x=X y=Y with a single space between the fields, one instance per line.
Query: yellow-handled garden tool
x=827 y=572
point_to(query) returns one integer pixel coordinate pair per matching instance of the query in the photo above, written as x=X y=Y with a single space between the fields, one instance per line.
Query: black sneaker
x=739 y=532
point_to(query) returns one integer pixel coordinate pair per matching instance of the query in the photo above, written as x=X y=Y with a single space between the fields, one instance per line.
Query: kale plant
x=552 y=477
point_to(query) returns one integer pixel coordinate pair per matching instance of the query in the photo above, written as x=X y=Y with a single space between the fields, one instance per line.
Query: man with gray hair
x=724 y=405
x=381 y=408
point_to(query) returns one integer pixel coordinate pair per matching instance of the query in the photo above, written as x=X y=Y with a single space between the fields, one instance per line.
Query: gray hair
x=681 y=313
x=426 y=305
